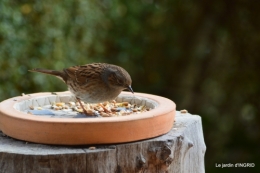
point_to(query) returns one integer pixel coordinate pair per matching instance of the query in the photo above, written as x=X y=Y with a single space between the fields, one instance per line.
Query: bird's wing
x=82 y=74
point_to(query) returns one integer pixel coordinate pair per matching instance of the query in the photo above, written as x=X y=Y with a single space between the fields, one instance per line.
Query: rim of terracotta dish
x=78 y=131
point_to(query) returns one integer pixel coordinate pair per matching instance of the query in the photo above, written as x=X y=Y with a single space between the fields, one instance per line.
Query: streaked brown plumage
x=93 y=83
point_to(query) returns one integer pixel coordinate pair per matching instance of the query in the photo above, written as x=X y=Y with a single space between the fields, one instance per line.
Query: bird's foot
x=81 y=105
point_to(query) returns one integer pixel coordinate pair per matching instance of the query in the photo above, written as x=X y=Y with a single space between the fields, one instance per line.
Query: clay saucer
x=18 y=124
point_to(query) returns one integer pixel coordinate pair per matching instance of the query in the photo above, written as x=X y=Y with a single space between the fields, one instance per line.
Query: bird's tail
x=59 y=74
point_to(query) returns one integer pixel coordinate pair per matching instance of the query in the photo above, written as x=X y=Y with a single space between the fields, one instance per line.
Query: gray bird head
x=117 y=77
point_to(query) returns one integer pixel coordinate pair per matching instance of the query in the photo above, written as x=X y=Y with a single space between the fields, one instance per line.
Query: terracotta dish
x=18 y=124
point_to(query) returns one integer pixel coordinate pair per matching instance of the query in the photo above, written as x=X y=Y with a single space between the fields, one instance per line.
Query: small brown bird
x=93 y=83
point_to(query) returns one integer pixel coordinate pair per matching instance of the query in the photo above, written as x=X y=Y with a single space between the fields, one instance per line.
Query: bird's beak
x=130 y=89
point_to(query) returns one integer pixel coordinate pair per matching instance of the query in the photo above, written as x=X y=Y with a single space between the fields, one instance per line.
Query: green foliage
x=201 y=54
x=49 y=34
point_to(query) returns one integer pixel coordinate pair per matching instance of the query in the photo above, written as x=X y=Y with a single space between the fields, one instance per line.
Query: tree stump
x=179 y=151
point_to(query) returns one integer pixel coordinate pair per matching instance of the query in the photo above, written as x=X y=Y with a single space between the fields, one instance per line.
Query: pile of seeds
x=106 y=109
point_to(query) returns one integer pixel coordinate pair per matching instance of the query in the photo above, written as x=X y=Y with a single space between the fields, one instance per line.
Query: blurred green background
x=204 y=55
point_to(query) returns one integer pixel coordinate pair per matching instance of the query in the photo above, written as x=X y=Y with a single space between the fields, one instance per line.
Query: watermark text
x=234 y=165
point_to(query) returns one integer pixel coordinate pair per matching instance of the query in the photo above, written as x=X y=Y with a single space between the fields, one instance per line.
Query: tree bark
x=179 y=151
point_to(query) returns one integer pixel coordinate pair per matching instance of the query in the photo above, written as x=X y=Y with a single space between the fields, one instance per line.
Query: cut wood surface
x=179 y=151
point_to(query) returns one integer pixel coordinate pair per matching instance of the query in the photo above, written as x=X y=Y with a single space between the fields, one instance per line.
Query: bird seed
x=106 y=109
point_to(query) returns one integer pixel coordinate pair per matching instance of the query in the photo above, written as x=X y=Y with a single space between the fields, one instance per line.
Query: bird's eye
x=117 y=78
x=119 y=81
